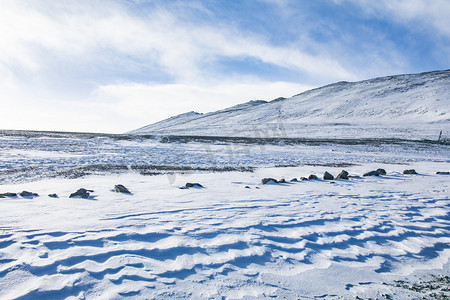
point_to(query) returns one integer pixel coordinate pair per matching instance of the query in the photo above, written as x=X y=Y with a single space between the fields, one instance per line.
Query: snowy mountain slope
x=416 y=105
x=178 y=120
x=172 y=121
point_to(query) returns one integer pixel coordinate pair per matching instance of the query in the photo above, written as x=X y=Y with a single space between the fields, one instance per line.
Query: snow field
x=39 y=156
x=305 y=239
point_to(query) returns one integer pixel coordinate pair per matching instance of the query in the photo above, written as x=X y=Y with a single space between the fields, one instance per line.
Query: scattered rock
x=343 y=175
x=53 y=195
x=327 y=176
x=28 y=194
x=313 y=177
x=294 y=180
x=269 y=180
x=195 y=184
x=411 y=171
x=443 y=173
x=8 y=195
x=371 y=173
x=381 y=171
x=121 y=189
x=282 y=180
x=191 y=185
x=247 y=187
x=82 y=193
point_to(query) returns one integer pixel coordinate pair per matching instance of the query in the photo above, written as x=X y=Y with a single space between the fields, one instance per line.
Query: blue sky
x=112 y=66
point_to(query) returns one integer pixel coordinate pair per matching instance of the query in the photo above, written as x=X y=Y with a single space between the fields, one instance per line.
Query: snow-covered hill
x=402 y=106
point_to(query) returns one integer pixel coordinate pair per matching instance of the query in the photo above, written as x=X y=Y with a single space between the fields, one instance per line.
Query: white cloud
x=434 y=14
x=77 y=30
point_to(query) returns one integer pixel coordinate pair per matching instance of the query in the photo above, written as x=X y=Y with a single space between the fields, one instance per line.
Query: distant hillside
x=402 y=106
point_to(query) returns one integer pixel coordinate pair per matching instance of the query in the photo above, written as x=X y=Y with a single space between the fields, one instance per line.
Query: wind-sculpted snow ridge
x=413 y=106
x=350 y=238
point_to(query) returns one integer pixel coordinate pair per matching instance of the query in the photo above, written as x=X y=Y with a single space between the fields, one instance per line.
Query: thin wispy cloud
x=160 y=38
x=429 y=15
x=131 y=56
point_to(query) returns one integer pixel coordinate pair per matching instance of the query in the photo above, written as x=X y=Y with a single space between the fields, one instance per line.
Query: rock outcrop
x=343 y=175
x=82 y=193
x=121 y=189
x=327 y=176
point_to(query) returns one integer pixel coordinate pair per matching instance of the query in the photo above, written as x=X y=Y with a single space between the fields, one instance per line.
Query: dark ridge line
x=208 y=139
x=284 y=140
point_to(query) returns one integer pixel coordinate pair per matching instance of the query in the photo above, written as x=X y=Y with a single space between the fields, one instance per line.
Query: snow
x=379 y=237
x=29 y=156
x=413 y=106
x=330 y=239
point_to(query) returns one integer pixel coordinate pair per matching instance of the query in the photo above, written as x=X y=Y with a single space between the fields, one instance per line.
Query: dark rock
x=247 y=187
x=9 y=194
x=294 y=180
x=53 y=196
x=183 y=187
x=381 y=171
x=121 y=189
x=195 y=184
x=328 y=176
x=28 y=194
x=282 y=180
x=411 y=171
x=313 y=177
x=443 y=173
x=372 y=173
x=1 y=196
x=269 y=180
x=303 y=178
x=343 y=175
x=82 y=193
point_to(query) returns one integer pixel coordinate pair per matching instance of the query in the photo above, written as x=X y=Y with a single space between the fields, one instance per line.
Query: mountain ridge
x=400 y=102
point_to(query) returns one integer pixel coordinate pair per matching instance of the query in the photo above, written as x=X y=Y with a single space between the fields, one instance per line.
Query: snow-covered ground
x=313 y=238
x=376 y=237
x=31 y=156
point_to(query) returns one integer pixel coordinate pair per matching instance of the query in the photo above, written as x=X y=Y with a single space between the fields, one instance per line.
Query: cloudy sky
x=113 y=66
